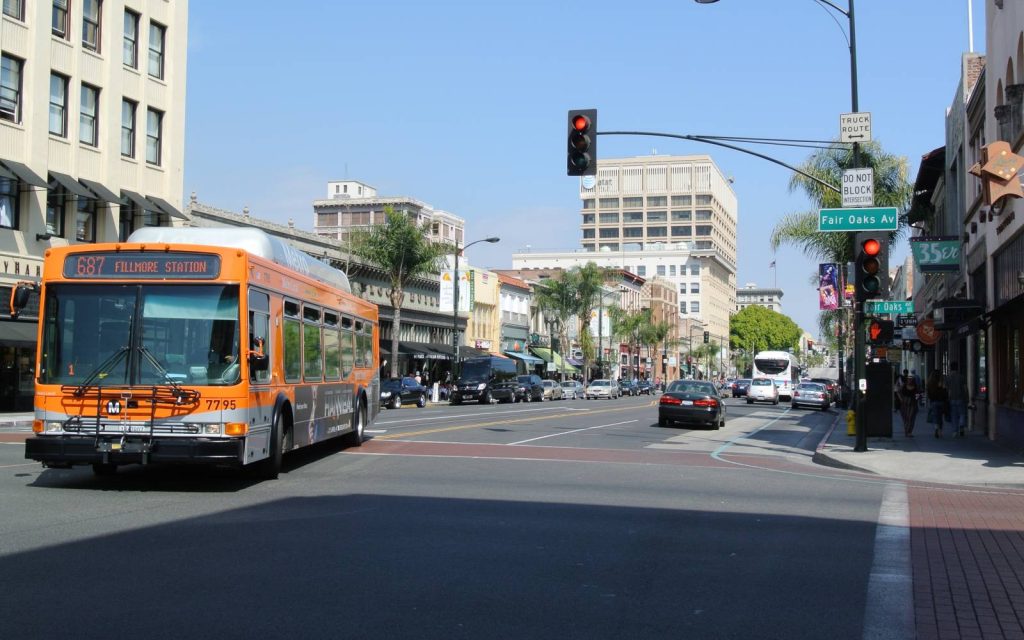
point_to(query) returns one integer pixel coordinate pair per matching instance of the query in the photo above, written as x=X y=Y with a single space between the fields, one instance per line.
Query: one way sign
x=855 y=127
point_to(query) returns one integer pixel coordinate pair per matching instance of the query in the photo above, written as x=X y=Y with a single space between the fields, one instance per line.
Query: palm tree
x=629 y=326
x=654 y=334
x=404 y=251
x=557 y=298
x=589 y=280
x=892 y=189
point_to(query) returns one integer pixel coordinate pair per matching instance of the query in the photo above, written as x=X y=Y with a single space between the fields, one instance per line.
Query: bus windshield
x=771 y=366
x=140 y=334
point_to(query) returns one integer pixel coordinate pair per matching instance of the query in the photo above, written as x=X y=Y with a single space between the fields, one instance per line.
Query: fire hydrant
x=851 y=423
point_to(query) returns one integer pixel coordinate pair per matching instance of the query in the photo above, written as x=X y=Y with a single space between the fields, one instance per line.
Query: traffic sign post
x=858 y=219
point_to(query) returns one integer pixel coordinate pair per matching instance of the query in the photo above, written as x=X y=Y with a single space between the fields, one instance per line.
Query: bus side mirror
x=19 y=298
x=259 y=361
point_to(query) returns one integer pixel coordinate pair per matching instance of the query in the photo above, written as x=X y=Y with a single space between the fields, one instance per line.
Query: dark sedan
x=526 y=388
x=739 y=388
x=691 y=401
x=645 y=386
x=394 y=392
x=628 y=388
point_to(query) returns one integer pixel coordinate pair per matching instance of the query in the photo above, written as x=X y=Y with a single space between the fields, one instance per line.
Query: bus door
x=260 y=357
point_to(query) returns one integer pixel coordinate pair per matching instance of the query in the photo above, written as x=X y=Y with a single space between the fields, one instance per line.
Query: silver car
x=762 y=390
x=552 y=390
x=572 y=389
x=602 y=389
x=811 y=394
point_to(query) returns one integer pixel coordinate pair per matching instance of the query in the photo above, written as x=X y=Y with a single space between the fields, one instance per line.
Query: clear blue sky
x=462 y=104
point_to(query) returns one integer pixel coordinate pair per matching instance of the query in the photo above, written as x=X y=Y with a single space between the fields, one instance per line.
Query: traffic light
x=880 y=331
x=582 y=143
x=707 y=337
x=871 y=266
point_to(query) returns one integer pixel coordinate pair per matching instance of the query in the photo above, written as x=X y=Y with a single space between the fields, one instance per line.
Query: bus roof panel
x=253 y=241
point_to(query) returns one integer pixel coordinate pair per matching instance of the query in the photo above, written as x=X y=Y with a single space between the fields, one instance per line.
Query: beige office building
x=92 y=140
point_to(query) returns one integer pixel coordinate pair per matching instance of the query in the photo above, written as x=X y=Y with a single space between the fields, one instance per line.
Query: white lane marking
x=889 y=607
x=473 y=416
x=375 y=430
x=565 y=433
x=24 y=464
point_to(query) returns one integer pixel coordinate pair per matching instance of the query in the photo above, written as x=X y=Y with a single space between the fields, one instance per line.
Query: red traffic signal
x=870 y=266
x=581 y=159
x=880 y=331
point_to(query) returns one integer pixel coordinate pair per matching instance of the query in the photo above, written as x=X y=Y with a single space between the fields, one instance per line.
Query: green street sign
x=860 y=219
x=876 y=307
x=936 y=253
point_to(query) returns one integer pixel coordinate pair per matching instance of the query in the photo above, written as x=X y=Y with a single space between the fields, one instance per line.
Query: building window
x=672 y=270
x=85 y=221
x=680 y=231
x=609 y=217
x=694 y=307
x=641 y=271
x=88 y=118
x=682 y=216
x=681 y=201
x=633 y=216
x=694 y=287
x=91 y=12
x=130 y=55
x=608 y=203
x=58 y=105
x=56 y=200
x=157 y=33
x=632 y=202
x=656 y=216
x=661 y=270
x=10 y=89
x=8 y=203
x=588 y=234
x=610 y=246
x=633 y=232
x=59 y=21
x=609 y=233
x=154 y=134
x=15 y=9
x=704 y=199
x=682 y=307
x=588 y=203
x=657 y=232
x=128 y=128
x=695 y=269
x=703 y=230
x=657 y=201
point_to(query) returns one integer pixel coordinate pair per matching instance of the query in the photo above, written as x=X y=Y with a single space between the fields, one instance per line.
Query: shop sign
x=936 y=254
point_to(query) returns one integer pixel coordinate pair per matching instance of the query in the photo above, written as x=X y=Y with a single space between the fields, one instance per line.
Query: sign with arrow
x=855 y=127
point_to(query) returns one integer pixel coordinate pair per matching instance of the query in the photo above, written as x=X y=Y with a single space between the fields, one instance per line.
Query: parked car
x=528 y=388
x=552 y=390
x=691 y=401
x=831 y=385
x=762 y=390
x=572 y=389
x=628 y=387
x=645 y=386
x=602 y=388
x=394 y=392
x=481 y=377
x=740 y=387
x=811 y=394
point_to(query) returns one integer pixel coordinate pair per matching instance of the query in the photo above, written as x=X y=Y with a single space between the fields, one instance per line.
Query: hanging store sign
x=936 y=253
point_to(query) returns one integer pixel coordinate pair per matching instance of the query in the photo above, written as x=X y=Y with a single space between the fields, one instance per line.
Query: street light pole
x=455 y=303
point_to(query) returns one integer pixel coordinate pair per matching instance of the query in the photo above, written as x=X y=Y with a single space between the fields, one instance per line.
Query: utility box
x=876 y=404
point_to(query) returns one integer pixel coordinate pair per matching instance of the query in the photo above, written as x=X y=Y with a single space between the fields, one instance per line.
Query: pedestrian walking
x=938 y=398
x=908 y=391
x=957 y=389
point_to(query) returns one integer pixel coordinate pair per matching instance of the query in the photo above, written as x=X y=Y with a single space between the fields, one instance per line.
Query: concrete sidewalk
x=16 y=421
x=972 y=460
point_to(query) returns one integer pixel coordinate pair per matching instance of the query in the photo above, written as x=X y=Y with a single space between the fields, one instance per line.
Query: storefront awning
x=472 y=352
x=101 y=192
x=167 y=208
x=17 y=334
x=550 y=356
x=72 y=186
x=531 y=361
x=141 y=203
x=24 y=174
x=415 y=350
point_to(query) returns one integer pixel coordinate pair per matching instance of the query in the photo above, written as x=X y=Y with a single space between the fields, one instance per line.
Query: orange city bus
x=218 y=346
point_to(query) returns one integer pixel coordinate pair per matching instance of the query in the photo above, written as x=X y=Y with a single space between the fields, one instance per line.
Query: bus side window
x=292 y=342
x=348 y=355
x=259 y=332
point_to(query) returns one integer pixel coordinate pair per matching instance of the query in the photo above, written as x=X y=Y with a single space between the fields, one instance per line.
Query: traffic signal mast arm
x=718 y=142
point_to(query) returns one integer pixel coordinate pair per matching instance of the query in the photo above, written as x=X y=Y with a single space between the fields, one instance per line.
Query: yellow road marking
x=479 y=425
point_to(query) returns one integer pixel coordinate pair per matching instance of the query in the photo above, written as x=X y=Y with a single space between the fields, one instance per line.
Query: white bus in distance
x=781 y=367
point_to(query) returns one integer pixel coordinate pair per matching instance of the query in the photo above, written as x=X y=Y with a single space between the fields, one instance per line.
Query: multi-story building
x=769 y=298
x=516 y=297
x=92 y=118
x=661 y=297
x=483 y=330
x=351 y=204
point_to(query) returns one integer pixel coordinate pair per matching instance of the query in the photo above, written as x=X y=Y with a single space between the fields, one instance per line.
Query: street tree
x=557 y=299
x=404 y=251
x=589 y=280
x=758 y=328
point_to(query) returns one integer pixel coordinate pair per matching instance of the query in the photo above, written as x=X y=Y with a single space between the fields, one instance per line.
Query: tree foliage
x=404 y=251
x=758 y=328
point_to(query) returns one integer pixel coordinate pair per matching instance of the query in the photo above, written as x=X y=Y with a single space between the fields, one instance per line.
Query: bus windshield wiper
x=103 y=368
x=178 y=391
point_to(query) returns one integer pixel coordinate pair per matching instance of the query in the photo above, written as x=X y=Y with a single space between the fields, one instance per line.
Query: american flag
x=772 y=265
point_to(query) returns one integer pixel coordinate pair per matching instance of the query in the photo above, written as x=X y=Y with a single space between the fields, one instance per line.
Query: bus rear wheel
x=354 y=438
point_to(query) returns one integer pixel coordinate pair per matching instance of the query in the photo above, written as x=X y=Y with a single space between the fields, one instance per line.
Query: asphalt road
x=564 y=519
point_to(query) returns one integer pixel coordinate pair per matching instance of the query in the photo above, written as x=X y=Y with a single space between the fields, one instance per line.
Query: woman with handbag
x=938 y=398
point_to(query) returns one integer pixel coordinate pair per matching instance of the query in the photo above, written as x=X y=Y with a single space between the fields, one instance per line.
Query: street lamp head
x=492 y=239
x=705 y=1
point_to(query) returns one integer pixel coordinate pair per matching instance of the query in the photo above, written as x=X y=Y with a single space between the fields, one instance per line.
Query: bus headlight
x=41 y=426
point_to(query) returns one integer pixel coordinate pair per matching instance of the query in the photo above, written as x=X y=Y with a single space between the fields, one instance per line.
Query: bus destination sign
x=142 y=265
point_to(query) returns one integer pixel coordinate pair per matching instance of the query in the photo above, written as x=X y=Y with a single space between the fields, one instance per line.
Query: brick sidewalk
x=967 y=550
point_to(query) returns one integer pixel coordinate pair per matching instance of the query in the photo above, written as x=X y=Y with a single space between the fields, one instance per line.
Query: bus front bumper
x=77 y=449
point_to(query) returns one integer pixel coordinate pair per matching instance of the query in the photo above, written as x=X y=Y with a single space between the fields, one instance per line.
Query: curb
x=825 y=460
